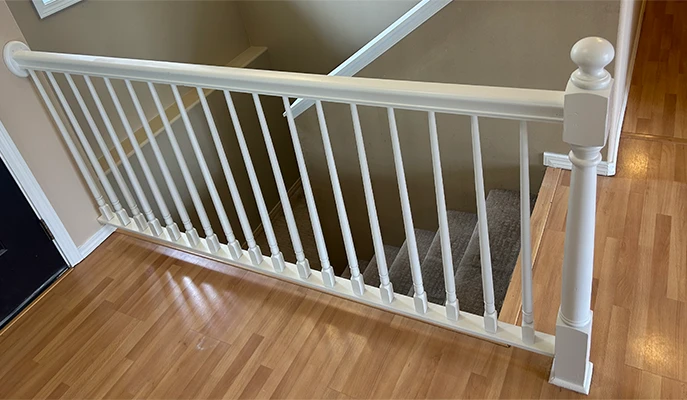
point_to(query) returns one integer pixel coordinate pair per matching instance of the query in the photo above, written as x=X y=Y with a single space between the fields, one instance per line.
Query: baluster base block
x=303 y=268
x=571 y=368
x=213 y=243
x=387 y=293
x=155 y=227
x=123 y=217
x=106 y=212
x=173 y=232
x=491 y=322
x=255 y=255
x=420 y=302
x=141 y=222
x=234 y=249
x=328 y=277
x=192 y=237
x=452 y=310
x=278 y=262
x=358 y=285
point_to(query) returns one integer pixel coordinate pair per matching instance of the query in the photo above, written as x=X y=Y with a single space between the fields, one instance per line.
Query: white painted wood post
x=302 y=264
x=386 y=288
x=491 y=320
x=528 y=333
x=328 y=276
x=452 y=306
x=587 y=100
x=419 y=295
x=357 y=282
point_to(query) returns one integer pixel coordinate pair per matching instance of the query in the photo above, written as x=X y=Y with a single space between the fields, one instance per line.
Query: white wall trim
x=557 y=160
x=393 y=34
x=614 y=145
x=52 y=7
x=96 y=240
x=36 y=197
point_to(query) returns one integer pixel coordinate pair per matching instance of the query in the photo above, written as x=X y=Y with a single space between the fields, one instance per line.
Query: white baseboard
x=96 y=240
x=557 y=160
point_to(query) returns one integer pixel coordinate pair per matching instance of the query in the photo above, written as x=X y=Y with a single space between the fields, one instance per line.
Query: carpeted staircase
x=503 y=213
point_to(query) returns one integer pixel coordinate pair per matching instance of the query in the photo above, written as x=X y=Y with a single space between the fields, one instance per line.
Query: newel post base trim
x=571 y=367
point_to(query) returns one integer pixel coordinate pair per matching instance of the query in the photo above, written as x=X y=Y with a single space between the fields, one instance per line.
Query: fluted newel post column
x=587 y=100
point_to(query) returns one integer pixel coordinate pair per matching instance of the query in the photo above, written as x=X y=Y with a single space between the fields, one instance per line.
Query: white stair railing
x=582 y=108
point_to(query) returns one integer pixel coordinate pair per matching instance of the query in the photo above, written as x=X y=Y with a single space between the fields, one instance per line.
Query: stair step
x=399 y=272
x=362 y=265
x=371 y=274
x=460 y=227
x=503 y=214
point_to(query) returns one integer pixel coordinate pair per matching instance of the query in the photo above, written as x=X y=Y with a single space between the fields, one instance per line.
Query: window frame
x=45 y=10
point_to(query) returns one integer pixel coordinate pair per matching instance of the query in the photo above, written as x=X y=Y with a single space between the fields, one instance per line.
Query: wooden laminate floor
x=137 y=320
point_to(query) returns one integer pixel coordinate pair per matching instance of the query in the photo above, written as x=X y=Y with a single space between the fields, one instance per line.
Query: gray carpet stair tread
x=362 y=265
x=371 y=273
x=399 y=272
x=460 y=226
x=503 y=215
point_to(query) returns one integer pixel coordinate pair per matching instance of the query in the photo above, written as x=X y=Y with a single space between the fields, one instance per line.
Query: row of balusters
x=144 y=218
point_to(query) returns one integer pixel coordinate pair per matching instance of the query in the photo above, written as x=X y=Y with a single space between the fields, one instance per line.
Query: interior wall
x=628 y=40
x=317 y=35
x=496 y=43
x=198 y=32
x=31 y=129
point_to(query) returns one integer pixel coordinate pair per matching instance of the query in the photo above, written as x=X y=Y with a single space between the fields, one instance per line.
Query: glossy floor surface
x=141 y=320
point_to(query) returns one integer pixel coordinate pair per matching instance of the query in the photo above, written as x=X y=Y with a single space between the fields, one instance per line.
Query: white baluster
x=328 y=276
x=357 y=282
x=526 y=239
x=585 y=128
x=233 y=245
x=210 y=236
x=452 y=307
x=172 y=228
x=213 y=242
x=105 y=209
x=153 y=223
x=420 y=296
x=302 y=263
x=253 y=248
x=490 y=315
x=136 y=215
x=276 y=256
x=386 y=288
x=95 y=164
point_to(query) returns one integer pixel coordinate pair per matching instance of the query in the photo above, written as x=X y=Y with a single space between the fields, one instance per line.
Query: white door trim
x=34 y=194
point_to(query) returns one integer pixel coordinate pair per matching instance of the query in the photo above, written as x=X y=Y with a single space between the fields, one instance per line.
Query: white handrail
x=486 y=101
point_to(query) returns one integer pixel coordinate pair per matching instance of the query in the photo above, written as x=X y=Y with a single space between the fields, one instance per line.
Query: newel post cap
x=592 y=55
x=8 y=56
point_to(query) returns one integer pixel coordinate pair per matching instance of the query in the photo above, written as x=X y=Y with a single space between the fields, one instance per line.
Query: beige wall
x=206 y=32
x=22 y=113
x=504 y=43
x=317 y=35
x=199 y=32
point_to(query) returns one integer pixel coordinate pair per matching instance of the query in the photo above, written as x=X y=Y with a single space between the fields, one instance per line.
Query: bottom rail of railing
x=467 y=323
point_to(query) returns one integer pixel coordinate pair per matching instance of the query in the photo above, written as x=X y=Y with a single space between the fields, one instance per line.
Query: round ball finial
x=592 y=55
x=8 y=55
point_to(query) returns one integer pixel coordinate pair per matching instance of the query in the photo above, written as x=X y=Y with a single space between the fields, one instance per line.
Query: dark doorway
x=29 y=260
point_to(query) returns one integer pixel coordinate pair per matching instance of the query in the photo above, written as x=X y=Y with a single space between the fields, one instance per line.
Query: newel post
x=585 y=128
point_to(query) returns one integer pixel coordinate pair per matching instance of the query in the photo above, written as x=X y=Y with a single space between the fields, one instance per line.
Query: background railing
x=582 y=108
